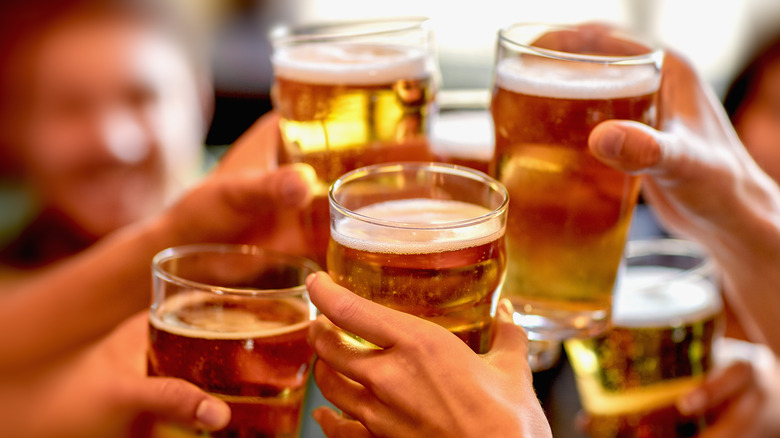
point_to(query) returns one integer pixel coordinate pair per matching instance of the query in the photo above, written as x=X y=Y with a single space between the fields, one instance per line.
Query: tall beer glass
x=426 y=239
x=351 y=95
x=666 y=316
x=233 y=320
x=570 y=213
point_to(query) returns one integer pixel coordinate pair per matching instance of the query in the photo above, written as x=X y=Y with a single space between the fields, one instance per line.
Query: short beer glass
x=570 y=213
x=423 y=238
x=667 y=314
x=350 y=95
x=233 y=321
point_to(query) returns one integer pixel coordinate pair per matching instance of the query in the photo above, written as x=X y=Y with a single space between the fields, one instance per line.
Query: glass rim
x=177 y=252
x=319 y=32
x=447 y=168
x=672 y=247
x=654 y=55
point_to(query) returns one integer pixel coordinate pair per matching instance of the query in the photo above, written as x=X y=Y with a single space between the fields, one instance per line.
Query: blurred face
x=758 y=124
x=114 y=123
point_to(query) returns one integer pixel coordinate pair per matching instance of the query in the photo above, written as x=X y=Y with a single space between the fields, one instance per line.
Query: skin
x=103 y=391
x=111 y=123
x=705 y=186
x=416 y=382
x=758 y=121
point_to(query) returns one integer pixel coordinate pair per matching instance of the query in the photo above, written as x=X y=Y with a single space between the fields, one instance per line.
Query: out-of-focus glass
x=667 y=314
x=233 y=321
x=351 y=95
x=570 y=213
x=423 y=238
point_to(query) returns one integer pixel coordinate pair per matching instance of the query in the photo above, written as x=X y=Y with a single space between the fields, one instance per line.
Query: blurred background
x=716 y=35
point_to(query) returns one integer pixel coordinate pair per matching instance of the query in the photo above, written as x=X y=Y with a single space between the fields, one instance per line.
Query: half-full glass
x=423 y=238
x=667 y=314
x=351 y=95
x=233 y=320
x=570 y=213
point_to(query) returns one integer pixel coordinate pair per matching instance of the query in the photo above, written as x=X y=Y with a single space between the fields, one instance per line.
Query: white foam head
x=650 y=296
x=349 y=63
x=226 y=324
x=557 y=79
x=369 y=237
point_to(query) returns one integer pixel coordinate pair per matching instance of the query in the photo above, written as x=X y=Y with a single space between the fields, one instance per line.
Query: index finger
x=375 y=323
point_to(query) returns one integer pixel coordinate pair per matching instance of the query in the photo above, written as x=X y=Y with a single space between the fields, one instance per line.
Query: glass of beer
x=233 y=321
x=570 y=213
x=667 y=314
x=422 y=238
x=351 y=95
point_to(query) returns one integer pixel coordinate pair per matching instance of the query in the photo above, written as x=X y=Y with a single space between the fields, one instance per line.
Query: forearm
x=79 y=300
x=749 y=256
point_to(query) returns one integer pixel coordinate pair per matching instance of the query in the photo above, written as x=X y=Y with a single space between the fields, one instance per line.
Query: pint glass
x=666 y=316
x=351 y=95
x=570 y=213
x=233 y=321
x=426 y=239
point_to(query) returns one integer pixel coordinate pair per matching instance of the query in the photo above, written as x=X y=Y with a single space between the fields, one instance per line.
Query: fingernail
x=692 y=403
x=610 y=143
x=310 y=279
x=212 y=414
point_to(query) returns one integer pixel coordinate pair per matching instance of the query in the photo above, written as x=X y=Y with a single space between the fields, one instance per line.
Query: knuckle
x=347 y=308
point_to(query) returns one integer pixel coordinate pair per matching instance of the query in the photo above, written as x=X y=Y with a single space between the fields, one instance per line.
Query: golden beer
x=660 y=348
x=570 y=213
x=412 y=244
x=347 y=104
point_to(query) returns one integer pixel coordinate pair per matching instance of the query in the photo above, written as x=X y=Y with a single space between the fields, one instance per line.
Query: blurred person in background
x=103 y=109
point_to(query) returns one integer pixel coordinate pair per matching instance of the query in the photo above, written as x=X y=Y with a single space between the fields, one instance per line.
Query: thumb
x=178 y=401
x=631 y=147
x=508 y=337
x=291 y=186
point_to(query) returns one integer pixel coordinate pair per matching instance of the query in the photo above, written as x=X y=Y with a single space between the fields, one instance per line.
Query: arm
x=705 y=186
x=83 y=297
x=421 y=381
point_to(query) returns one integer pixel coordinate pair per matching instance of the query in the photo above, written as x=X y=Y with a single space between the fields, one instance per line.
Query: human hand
x=104 y=392
x=736 y=397
x=705 y=186
x=421 y=380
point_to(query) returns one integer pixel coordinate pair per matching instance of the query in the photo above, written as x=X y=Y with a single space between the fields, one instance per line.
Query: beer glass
x=351 y=95
x=667 y=314
x=233 y=320
x=570 y=213
x=423 y=238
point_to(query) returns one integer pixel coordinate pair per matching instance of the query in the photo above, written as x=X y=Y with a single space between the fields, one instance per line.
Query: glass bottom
x=559 y=326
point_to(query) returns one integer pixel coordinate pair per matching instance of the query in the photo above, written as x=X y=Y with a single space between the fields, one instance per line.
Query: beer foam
x=463 y=134
x=671 y=302
x=545 y=78
x=226 y=324
x=406 y=239
x=353 y=64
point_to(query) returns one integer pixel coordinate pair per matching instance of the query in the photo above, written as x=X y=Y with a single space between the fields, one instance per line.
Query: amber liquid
x=569 y=213
x=456 y=287
x=630 y=378
x=338 y=128
x=254 y=356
